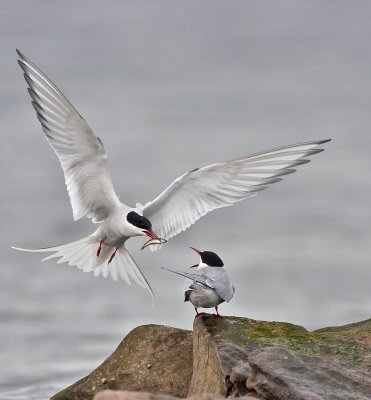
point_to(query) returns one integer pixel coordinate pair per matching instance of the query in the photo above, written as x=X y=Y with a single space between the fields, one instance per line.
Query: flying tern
x=210 y=285
x=183 y=202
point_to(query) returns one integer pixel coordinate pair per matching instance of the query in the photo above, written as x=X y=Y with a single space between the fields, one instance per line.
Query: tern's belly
x=109 y=235
x=204 y=297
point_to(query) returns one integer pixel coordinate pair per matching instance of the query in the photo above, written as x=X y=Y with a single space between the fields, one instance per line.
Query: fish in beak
x=154 y=239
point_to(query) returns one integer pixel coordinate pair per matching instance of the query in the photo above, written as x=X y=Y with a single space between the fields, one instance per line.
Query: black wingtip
x=324 y=141
x=19 y=53
x=21 y=64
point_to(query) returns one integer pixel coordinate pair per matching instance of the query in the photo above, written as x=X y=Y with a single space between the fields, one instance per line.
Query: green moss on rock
x=347 y=345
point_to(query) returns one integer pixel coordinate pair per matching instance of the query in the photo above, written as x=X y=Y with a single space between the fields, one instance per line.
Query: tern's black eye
x=139 y=221
x=211 y=259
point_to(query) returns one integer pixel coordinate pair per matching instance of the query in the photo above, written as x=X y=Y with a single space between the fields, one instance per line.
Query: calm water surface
x=170 y=88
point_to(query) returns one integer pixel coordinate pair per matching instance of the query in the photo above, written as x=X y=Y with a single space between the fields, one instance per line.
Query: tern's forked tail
x=82 y=253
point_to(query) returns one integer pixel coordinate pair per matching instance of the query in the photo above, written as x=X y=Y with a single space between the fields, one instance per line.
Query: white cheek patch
x=202 y=265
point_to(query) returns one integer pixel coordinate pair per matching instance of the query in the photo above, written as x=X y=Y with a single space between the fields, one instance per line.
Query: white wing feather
x=200 y=191
x=80 y=152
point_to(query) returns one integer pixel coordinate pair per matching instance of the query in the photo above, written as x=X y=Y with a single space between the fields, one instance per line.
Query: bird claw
x=198 y=314
x=217 y=315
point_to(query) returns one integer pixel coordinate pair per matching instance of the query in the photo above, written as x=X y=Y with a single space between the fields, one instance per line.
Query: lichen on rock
x=234 y=356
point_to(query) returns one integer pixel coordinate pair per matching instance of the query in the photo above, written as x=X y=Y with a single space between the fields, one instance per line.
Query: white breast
x=202 y=296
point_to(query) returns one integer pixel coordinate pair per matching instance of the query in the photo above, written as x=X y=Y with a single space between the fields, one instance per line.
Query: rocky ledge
x=233 y=357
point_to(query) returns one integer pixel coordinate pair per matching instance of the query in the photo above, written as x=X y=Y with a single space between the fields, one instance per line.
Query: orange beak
x=198 y=252
x=151 y=234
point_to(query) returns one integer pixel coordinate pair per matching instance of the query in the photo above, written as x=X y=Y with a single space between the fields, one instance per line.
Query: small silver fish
x=153 y=241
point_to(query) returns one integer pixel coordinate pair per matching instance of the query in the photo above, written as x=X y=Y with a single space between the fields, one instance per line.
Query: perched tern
x=188 y=198
x=210 y=285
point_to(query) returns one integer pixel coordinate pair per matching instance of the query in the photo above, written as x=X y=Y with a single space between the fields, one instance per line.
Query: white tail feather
x=82 y=253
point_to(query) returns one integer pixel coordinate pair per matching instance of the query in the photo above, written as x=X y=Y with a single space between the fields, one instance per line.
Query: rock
x=348 y=346
x=281 y=374
x=214 y=356
x=151 y=358
x=239 y=375
x=125 y=395
x=231 y=358
x=221 y=347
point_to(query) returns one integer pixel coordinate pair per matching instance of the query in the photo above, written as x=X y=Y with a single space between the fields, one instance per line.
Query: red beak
x=151 y=234
x=198 y=252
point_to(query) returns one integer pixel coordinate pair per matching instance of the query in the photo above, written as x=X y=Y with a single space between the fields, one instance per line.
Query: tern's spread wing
x=80 y=152
x=199 y=191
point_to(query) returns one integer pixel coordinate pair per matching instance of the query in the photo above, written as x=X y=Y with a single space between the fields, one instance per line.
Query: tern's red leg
x=113 y=255
x=197 y=313
x=217 y=313
x=99 y=248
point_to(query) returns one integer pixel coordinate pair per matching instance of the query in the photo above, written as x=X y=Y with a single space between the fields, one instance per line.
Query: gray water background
x=170 y=86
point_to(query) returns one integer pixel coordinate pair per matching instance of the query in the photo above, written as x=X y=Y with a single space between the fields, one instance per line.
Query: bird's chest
x=113 y=232
x=201 y=296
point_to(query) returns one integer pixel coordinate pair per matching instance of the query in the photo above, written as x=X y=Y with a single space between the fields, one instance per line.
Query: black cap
x=139 y=221
x=211 y=259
